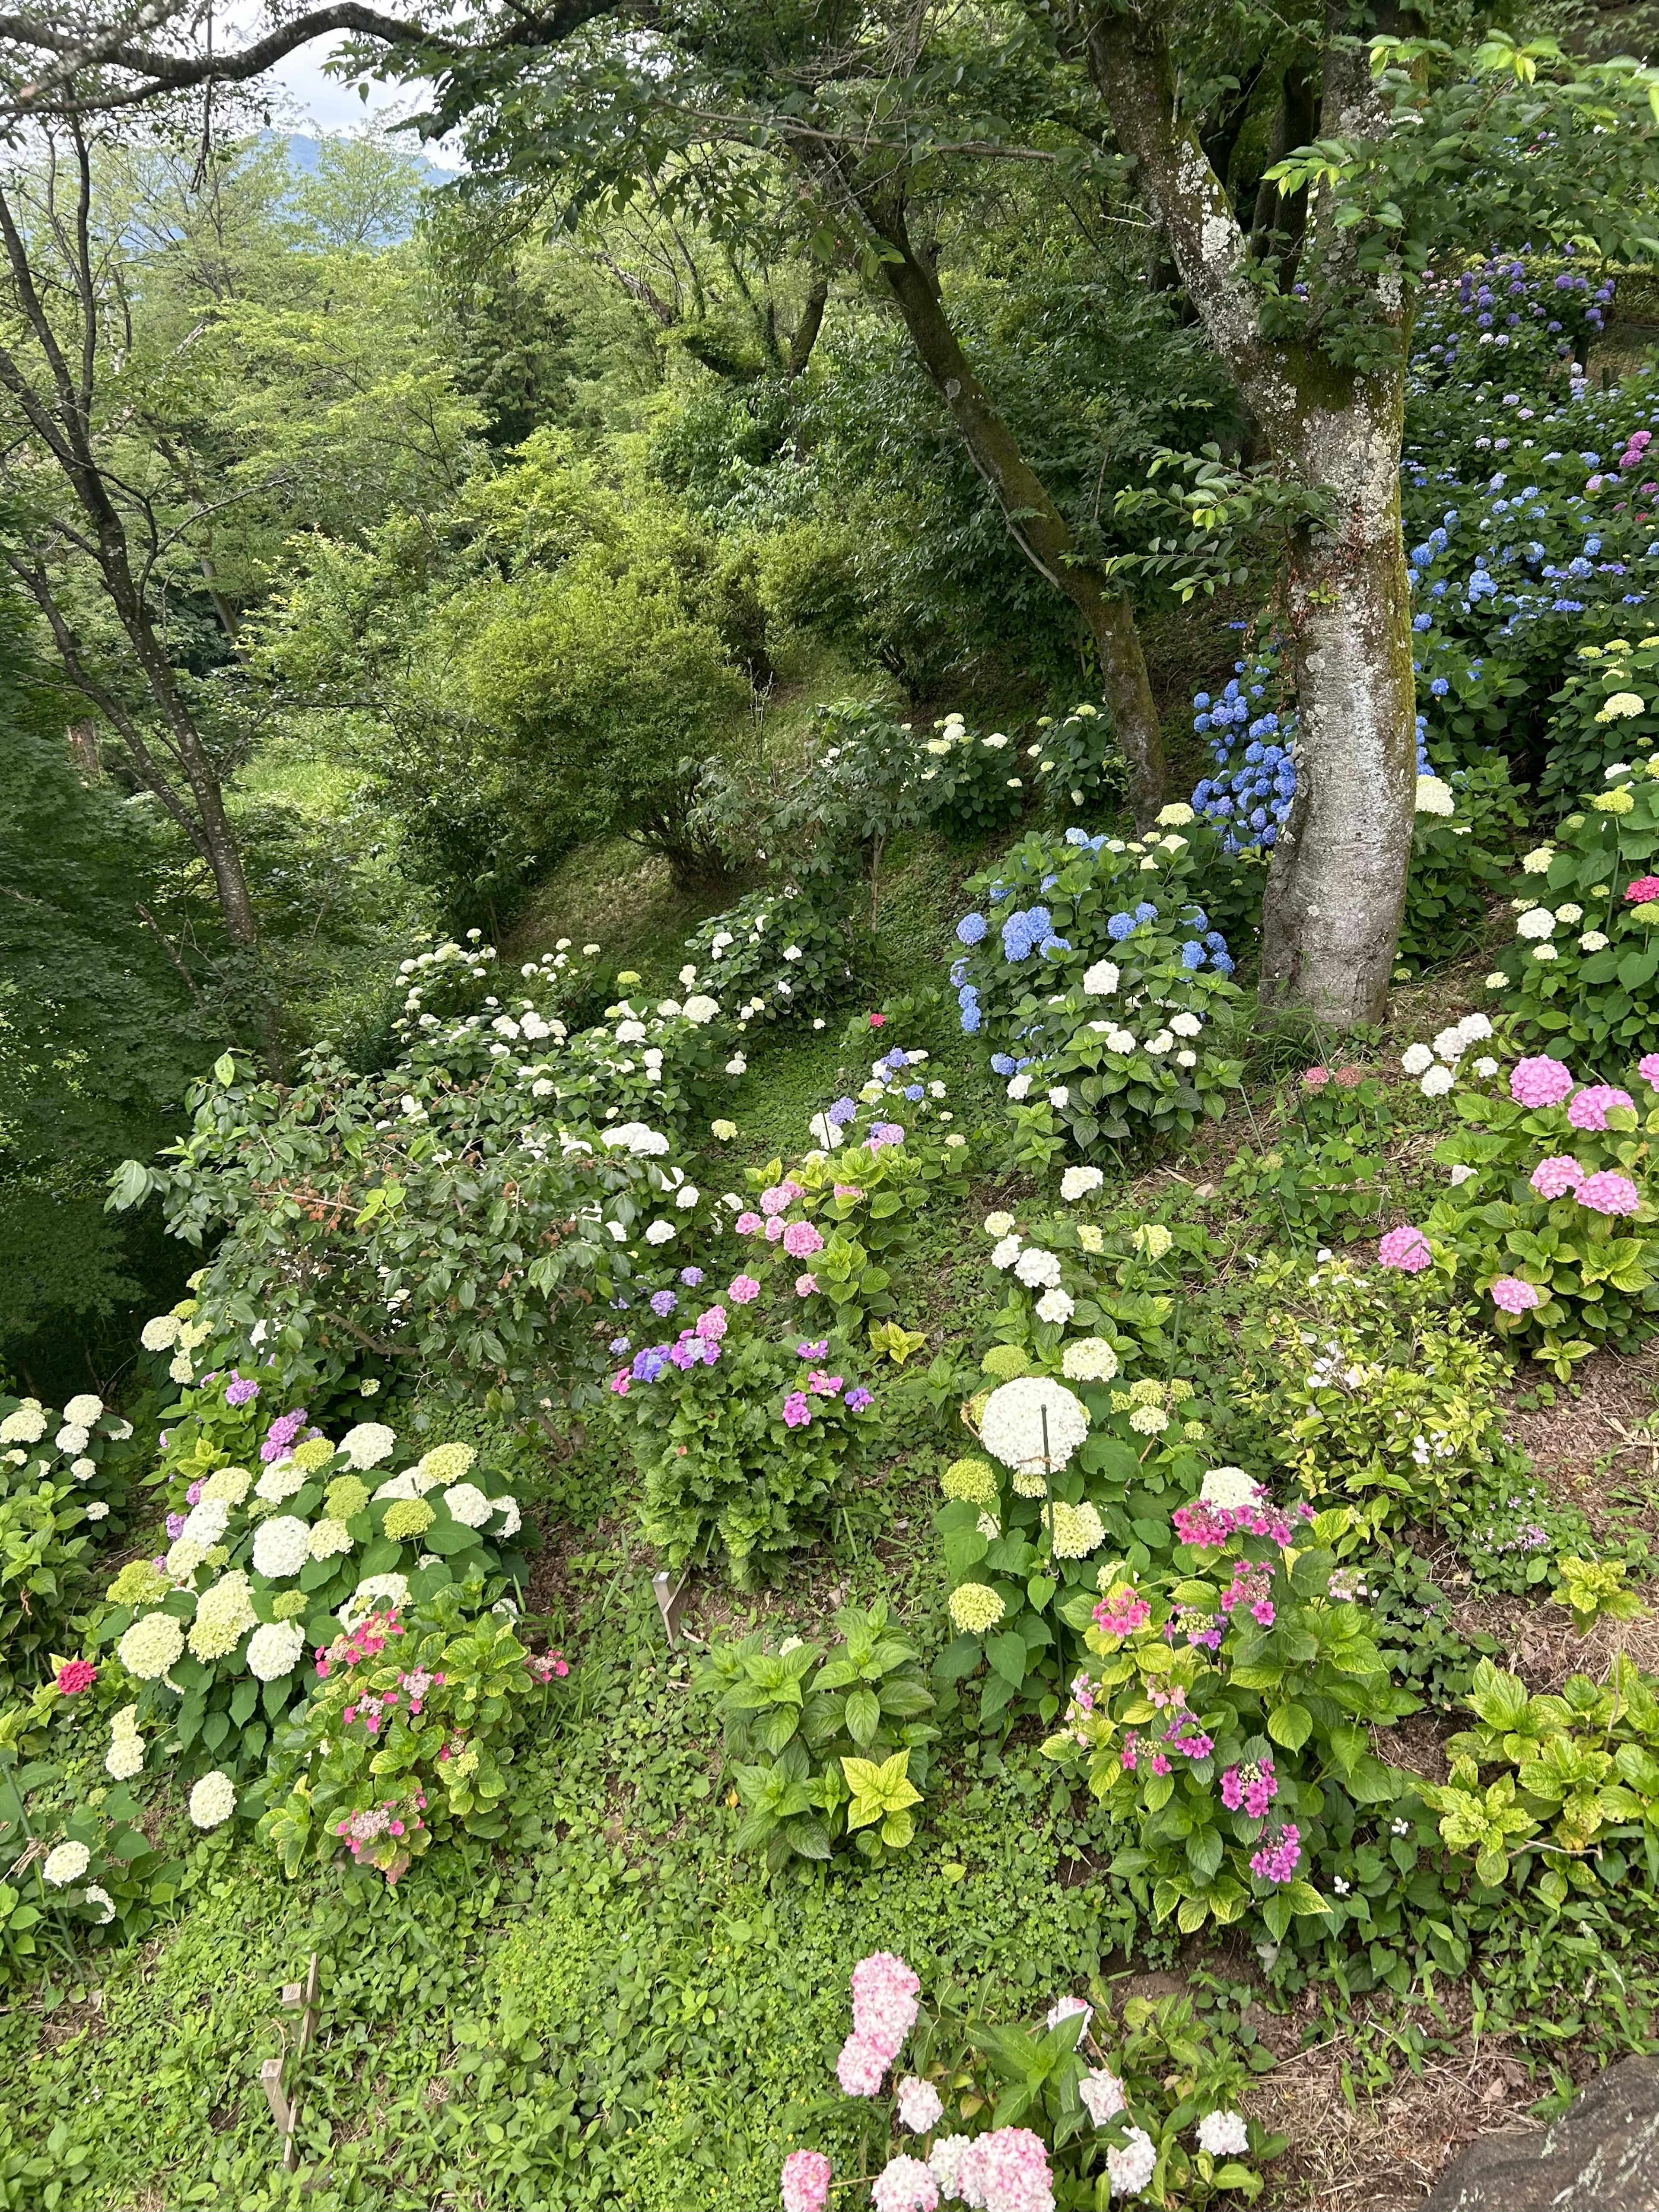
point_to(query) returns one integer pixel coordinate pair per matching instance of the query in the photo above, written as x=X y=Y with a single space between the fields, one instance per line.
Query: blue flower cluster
x=1029 y=929
x=1252 y=797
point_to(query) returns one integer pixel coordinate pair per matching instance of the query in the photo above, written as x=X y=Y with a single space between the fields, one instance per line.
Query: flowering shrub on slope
x=58 y=1477
x=1080 y=2111
x=1094 y=972
x=777 y=956
x=266 y=1562
x=407 y=1738
x=91 y=1879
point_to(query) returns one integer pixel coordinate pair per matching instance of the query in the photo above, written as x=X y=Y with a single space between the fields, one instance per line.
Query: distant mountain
x=304 y=152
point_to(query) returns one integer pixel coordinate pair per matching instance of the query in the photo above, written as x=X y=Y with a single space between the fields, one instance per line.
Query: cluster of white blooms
x=1088 y=1359
x=67 y=1862
x=1016 y=1416
x=367 y=1444
x=125 y=1755
x=1436 y=1064
x=1228 y=1487
x=274 y=1650
x=213 y=1799
x=1078 y=1182
x=282 y=1547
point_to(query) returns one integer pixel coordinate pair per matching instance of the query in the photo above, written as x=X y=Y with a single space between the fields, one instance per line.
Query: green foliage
x=1588 y=995
x=823 y=1744
x=784 y=955
x=1604 y=713
x=49 y=1513
x=1367 y=1392
x=408 y=1739
x=88 y=1878
x=1457 y=863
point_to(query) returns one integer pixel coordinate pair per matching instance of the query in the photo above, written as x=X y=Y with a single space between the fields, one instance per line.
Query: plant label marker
x=669 y=1605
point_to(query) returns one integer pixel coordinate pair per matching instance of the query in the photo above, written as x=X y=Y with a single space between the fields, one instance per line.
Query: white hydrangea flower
x=206 y=1522
x=1101 y=979
x=1228 y=1487
x=83 y=1469
x=157 y=1335
x=1102 y=2094
x=282 y=1547
x=512 y=1519
x=998 y=1224
x=125 y=1755
x=279 y=1481
x=1474 y=1029
x=26 y=1424
x=65 y=1864
x=1078 y=1182
x=1437 y=1081
x=1416 y=1059
x=367 y=1444
x=1005 y=1253
x=328 y=1539
x=1486 y=1068
x=1536 y=921
x=84 y=1410
x=1186 y=1025
x=1537 y=862
x=1059 y=1097
x=1593 y=940
x=1088 y=1359
x=1056 y=1305
x=1119 y=1040
x=1449 y=1044
x=151 y=1646
x=468 y=1503
x=1460 y=1175
x=1570 y=913
x=213 y=1799
x=273 y=1651
x=180 y=1368
x=1011 y=1426
x=1223 y=2135
x=1434 y=796
x=699 y=1008
x=1019 y=1084
x=96 y=1894
x=1544 y=952
x=227 y=1485
x=1038 y=1269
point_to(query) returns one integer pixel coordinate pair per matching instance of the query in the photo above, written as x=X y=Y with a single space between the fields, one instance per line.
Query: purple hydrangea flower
x=856 y=1400
x=842 y=1111
x=663 y=1303
x=691 y=1277
x=241 y=1392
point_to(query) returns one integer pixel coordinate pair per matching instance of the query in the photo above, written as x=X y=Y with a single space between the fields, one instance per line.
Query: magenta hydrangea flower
x=1252 y=1786
x=1555 y=1176
x=1406 y=1248
x=1608 y=1193
x=1539 y=1081
x=1279 y=1861
x=1513 y=1295
x=1590 y=1108
x=797 y=1410
x=801 y=1239
x=749 y=1224
x=743 y=1289
x=805 y=2181
x=1121 y=1612
x=1641 y=890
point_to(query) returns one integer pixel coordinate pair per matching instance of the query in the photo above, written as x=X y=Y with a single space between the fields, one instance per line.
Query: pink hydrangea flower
x=1555 y=1176
x=862 y=2065
x=1407 y=1248
x=1590 y=1108
x=777 y=1200
x=1008 y=2169
x=1540 y=1081
x=904 y=2184
x=1641 y=890
x=807 y=1286
x=774 y=1228
x=1315 y=1079
x=622 y=1382
x=822 y=1385
x=1512 y=1296
x=920 y=2105
x=885 y=1993
x=749 y=1224
x=1279 y=1861
x=1122 y=1613
x=805 y=2181
x=797 y=1410
x=1608 y=1193
x=743 y=1289
x=801 y=1239
x=713 y=1324
x=1648 y=1068
x=1251 y=1787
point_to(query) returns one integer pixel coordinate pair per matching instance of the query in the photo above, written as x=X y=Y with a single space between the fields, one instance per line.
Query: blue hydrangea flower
x=663 y=1303
x=1119 y=926
x=1439 y=687
x=1145 y=911
x=843 y=1111
x=1192 y=954
x=958 y=974
x=971 y=929
x=1076 y=836
x=1216 y=941
x=1050 y=945
x=914 y=1090
x=967 y=995
x=1003 y=1063
x=1222 y=962
x=971 y=1018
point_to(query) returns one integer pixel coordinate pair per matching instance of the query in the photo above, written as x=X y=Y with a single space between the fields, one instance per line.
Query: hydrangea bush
x=91 y=1879
x=1084 y=2109
x=408 y=1737
x=61 y=1478
x=776 y=956
x=1091 y=968
x=266 y=1562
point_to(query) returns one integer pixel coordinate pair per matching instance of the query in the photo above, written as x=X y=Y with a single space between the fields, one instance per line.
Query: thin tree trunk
x=806 y=330
x=1038 y=527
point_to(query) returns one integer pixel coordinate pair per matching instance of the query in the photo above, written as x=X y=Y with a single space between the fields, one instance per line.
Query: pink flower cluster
x=1186 y=1737
x=548 y=1666
x=822 y=1385
x=744 y=1290
x=1648 y=1068
x=805 y=2181
x=1539 y=1081
x=884 y=1132
x=1510 y=1295
x=1555 y=1176
x=382 y=1819
x=1608 y=1193
x=1130 y=1755
x=1121 y=1612
x=1407 y=1248
x=1196 y=1626
x=1279 y=1861
x=781 y=1196
x=797 y=1410
x=1632 y=455
x=74 y=1676
x=1007 y=2170
x=1249 y=1588
x=1252 y=1785
x=1590 y=1108
x=1315 y=1079
x=1208 y=1527
x=367 y=1641
x=1642 y=890
x=418 y=1684
x=884 y=2005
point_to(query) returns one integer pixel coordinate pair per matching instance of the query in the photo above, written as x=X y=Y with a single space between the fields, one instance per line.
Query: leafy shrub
x=823 y=1746
x=1588 y=991
x=977 y=781
x=1459 y=857
x=1075 y=2112
x=1367 y=1392
x=1608 y=710
x=257 y=1571
x=1077 y=938
x=58 y=1479
x=90 y=1878
x=408 y=1737
x=1077 y=761
x=780 y=955
x=1578 y=1778
x=1327 y=1171
x=1553 y=1219
x=458 y=1211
